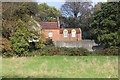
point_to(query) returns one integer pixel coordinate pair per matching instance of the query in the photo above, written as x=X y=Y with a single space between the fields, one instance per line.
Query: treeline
x=100 y=23
x=19 y=28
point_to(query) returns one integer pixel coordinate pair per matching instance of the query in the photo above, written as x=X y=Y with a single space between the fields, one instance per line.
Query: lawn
x=61 y=67
x=0 y=67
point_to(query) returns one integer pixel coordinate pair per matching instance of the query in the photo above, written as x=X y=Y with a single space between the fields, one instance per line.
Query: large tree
x=13 y=11
x=47 y=13
x=19 y=27
x=77 y=14
x=106 y=24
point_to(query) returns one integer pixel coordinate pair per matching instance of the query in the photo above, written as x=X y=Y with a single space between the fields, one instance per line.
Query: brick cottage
x=53 y=31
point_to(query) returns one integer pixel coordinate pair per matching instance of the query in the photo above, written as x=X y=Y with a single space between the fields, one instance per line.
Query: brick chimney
x=58 y=21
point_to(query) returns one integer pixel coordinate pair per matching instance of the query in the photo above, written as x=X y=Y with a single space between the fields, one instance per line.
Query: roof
x=49 y=25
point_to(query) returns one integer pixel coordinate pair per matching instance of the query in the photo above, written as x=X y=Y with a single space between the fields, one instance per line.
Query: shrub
x=107 y=52
x=6 y=47
x=62 y=51
x=20 y=38
x=75 y=51
x=48 y=42
x=20 y=45
x=39 y=45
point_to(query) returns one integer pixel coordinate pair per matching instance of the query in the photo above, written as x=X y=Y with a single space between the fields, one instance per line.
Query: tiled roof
x=49 y=25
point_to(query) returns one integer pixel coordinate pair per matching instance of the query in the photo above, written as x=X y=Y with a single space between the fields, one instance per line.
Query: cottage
x=53 y=31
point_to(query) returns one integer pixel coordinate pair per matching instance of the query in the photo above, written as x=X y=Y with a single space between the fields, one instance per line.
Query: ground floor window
x=73 y=34
x=65 y=34
x=50 y=34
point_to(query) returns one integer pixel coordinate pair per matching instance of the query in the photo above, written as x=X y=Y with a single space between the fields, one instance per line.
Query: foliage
x=20 y=38
x=19 y=27
x=48 y=42
x=47 y=13
x=105 y=25
x=77 y=15
x=13 y=11
x=6 y=46
x=107 y=52
x=57 y=51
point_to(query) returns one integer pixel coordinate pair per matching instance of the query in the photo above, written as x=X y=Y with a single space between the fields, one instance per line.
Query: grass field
x=61 y=67
x=0 y=67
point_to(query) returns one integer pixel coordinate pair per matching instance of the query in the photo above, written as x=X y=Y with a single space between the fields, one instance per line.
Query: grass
x=61 y=67
x=0 y=67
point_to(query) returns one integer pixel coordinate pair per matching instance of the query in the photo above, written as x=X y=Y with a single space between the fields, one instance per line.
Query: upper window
x=50 y=34
x=52 y=24
x=73 y=33
x=65 y=33
x=45 y=24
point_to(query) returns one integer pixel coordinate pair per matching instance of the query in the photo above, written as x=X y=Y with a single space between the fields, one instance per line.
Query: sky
x=58 y=3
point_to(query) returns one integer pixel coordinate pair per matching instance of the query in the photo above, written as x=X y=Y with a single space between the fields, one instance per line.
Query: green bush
x=20 y=45
x=48 y=42
x=61 y=51
x=8 y=54
x=107 y=52
x=75 y=51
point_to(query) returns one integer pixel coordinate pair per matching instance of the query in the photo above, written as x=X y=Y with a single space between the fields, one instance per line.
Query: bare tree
x=78 y=11
x=77 y=15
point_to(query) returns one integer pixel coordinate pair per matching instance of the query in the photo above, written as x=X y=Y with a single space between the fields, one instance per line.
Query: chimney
x=58 y=21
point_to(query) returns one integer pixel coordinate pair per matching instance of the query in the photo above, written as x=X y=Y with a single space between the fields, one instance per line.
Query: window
x=65 y=33
x=73 y=33
x=52 y=24
x=45 y=24
x=50 y=34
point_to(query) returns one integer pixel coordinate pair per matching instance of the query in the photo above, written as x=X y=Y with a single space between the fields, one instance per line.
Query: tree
x=47 y=13
x=106 y=23
x=12 y=11
x=77 y=14
x=20 y=38
x=19 y=27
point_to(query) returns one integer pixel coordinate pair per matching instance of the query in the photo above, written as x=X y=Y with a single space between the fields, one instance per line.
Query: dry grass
x=61 y=67
x=0 y=67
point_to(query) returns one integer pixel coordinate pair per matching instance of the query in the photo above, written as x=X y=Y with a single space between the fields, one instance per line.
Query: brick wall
x=56 y=36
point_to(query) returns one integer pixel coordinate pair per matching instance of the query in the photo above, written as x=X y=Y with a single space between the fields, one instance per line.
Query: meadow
x=0 y=67
x=60 y=67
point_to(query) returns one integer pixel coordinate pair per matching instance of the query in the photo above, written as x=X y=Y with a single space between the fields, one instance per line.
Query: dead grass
x=61 y=67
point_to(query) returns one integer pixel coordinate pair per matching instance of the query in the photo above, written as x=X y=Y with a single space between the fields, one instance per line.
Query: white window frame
x=50 y=34
x=73 y=33
x=65 y=32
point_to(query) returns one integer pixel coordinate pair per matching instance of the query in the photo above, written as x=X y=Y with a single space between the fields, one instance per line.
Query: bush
x=75 y=51
x=107 y=52
x=6 y=47
x=62 y=51
x=48 y=42
x=20 y=45
x=8 y=54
